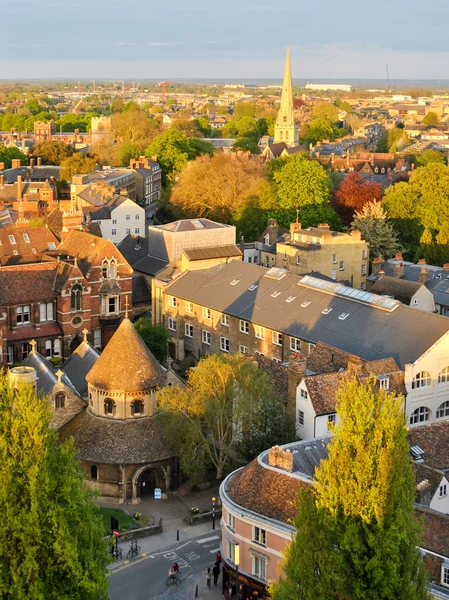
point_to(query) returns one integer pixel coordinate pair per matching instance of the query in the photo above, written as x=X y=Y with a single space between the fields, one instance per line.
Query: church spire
x=285 y=129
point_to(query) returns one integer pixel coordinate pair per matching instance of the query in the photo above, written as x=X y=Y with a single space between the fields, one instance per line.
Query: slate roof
x=45 y=172
x=397 y=288
x=78 y=365
x=100 y=213
x=46 y=373
x=277 y=149
x=105 y=440
x=369 y=331
x=27 y=283
x=135 y=251
x=212 y=252
x=141 y=290
x=139 y=372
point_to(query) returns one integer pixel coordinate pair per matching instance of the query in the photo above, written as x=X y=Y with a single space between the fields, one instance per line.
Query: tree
x=52 y=153
x=392 y=140
x=127 y=151
x=355 y=191
x=356 y=536
x=7 y=155
x=155 y=337
x=431 y=118
x=375 y=228
x=301 y=182
x=325 y=110
x=429 y=156
x=244 y=109
x=134 y=127
x=51 y=539
x=319 y=130
x=76 y=164
x=210 y=417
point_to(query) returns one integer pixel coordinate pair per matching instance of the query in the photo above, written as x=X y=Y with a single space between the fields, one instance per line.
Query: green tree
x=244 y=109
x=325 y=110
x=51 y=539
x=52 y=153
x=429 y=156
x=356 y=536
x=375 y=228
x=208 y=418
x=127 y=151
x=134 y=127
x=319 y=130
x=7 y=155
x=155 y=337
x=76 y=164
x=431 y=118
x=301 y=182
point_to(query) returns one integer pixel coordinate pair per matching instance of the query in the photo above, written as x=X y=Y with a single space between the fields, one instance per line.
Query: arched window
x=90 y=399
x=112 y=269
x=443 y=377
x=137 y=407
x=94 y=472
x=109 y=406
x=76 y=297
x=104 y=269
x=443 y=410
x=60 y=401
x=420 y=415
x=281 y=136
x=286 y=136
x=421 y=380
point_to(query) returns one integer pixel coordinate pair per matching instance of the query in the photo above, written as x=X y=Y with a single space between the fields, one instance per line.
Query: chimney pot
x=422 y=261
x=398 y=257
x=355 y=364
x=446 y=268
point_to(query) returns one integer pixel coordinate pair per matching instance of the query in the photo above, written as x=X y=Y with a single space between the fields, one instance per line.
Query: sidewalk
x=204 y=593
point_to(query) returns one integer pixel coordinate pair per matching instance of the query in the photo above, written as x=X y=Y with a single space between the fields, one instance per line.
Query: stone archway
x=146 y=479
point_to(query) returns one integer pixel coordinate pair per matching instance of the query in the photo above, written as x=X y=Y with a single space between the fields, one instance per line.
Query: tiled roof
x=27 y=283
x=105 y=440
x=371 y=330
x=436 y=530
x=434 y=440
x=28 y=332
x=26 y=239
x=135 y=251
x=139 y=372
x=327 y=359
x=212 y=252
x=395 y=287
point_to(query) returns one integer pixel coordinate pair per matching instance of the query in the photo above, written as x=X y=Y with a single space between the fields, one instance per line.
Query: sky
x=163 y=39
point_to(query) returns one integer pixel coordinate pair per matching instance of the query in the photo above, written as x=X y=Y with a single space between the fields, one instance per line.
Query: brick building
x=36 y=197
x=43 y=132
x=148 y=177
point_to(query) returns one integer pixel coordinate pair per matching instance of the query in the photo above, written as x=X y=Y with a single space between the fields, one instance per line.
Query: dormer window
x=384 y=382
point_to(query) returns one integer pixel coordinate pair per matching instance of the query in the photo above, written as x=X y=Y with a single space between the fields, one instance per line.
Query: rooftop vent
x=343 y=316
x=253 y=287
x=417 y=453
x=235 y=281
x=290 y=298
x=275 y=294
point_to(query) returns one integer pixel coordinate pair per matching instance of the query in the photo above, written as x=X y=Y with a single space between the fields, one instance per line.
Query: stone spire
x=285 y=129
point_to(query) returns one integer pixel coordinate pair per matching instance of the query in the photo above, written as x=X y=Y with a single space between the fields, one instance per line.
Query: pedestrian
x=216 y=572
x=218 y=557
x=208 y=577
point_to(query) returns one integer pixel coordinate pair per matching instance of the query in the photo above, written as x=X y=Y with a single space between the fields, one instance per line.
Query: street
x=145 y=578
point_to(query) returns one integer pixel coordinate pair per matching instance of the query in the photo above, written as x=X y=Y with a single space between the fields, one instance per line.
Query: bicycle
x=134 y=549
x=116 y=553
x=173 y=579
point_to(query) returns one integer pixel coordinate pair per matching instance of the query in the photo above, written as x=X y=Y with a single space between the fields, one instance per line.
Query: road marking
x=151 y=556
x=209 y=539
x=179 y=547
x=214 y=551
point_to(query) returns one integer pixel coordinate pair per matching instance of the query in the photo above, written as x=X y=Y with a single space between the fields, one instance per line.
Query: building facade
x=148 y=177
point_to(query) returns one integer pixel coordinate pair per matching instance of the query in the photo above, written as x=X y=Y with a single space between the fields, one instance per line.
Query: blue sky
x=144 y=39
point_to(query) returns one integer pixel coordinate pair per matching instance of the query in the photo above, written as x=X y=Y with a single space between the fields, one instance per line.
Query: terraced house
x=246 y=308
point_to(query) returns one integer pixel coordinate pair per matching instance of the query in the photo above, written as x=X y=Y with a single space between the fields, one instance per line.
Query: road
x=145 y=578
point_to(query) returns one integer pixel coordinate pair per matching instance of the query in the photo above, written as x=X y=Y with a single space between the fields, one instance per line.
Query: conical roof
x=126 y=364
x=286 y=108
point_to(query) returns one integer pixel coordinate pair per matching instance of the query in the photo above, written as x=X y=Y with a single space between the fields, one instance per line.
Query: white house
x=117 y=218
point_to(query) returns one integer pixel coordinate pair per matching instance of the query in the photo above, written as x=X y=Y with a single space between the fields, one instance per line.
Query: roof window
x=275 y=294
x=326 y=311
x=12 y=239
x=290 y=298
x=26 y=238
x=343 y=316
x=305 y=303
x=51 y=246
x=417 y=453
x=253 y=287
x=235 y=281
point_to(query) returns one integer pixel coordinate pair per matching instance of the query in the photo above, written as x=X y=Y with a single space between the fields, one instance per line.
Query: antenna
x=388 y=79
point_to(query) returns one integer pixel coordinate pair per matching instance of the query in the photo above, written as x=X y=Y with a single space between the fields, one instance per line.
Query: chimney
x=422 y=261
x=377 y=263
x=324 y=226
x=32 y=163
x=15 y=163
x=423 y=275
x=398 y=257
x=273 y=231
x=398 y=270
x=71 y=220
x=294 y=227
x=423 y=493
x=19 y=188
x=332 y=158
x=446 y=268
x=2 y=166
x=317 y=155
x=356 y=235
x=277 y=457
x=295 y=374
x=2 y=180
x=39 y=161
x=355 y=364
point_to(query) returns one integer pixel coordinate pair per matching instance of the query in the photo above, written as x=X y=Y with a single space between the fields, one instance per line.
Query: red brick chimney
x=355 y=364
x=377 y=263
x=39 y=161
x=71 y=220
x=19 y=188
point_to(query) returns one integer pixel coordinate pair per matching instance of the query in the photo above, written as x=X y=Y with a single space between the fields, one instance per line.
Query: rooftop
x=190 y=225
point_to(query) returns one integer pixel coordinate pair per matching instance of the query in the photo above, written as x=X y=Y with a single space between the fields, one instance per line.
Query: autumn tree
x=431 y=118
x=356 y=536
x=376 y=229
x=355 y=191
x=224 y=399
x=52 y=153
x=134 y=127
x=429 y=156
x=51 y=539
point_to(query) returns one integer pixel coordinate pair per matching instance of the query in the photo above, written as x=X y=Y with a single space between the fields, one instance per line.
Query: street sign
x=157 y=493
x=115 y=533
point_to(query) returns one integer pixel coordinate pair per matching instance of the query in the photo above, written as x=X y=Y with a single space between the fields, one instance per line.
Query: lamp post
x=213 y=512
x=237 y=562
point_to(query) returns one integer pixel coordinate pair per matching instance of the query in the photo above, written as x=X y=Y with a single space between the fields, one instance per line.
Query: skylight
x=26 y=238
x=343 y=316
x=12 y=239
x=275 y=294
x=290 y=298
x=326 y=311
x=235 y=281
x=253 y=287
x=305 y=303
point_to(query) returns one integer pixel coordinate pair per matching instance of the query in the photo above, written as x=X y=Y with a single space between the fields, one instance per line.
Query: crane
x=163 y=84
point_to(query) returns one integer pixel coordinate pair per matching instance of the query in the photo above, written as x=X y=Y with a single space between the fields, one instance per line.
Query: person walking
x=216 y=572
x=208 y=577
x=218 y=558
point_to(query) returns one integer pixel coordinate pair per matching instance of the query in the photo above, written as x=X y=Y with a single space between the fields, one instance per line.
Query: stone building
x=121 y=445
x=285 y=129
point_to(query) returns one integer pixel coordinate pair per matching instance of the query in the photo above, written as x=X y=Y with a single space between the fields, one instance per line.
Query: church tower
x=285 y=129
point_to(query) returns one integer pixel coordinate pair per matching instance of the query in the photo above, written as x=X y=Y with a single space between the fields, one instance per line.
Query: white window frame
x=301 y=418
x=243 y=349
x=443 y=490
x=260 y=567
x=231 y=522
x=171 y=325
x=206 y=313
x=189 y=307
x=10 y=354
x=445 y=574
x=421 y=380
x=363 y=270
x=443 y=410
x=224 y=320
x=334 y=259
x=341 y=265
x=384 y=383
x=172 y=301
x=188 y=330
x=97 y=338
x=277 y=338
x=419 y=415
x=259 y=536
x=334 y=274
x=295 y=344
x=205 y=337
x=225 y=344
x=304 y=394
x=244 y=326
x=259 y=332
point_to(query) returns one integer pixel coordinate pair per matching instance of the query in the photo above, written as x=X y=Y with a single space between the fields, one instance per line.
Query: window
x=290 y=299
x=60 y=401
x=363 y=286
x=112 y=269
x=326 y=311
x=334 y=259
x=75 y=298
x=259 y=332
x=97 y=338
x=277 y=338
x=231 y=551
x=443 y=490
x=23 y=314
x=93 y=472
x=243 y=349
x=25 y=349
x=331 y=419
x=260 y=567
x=171 y=324
x=26 y=238
x=128 y=231
x=285 y=255
x=384 y=382
x=114 y=221
x=109 y=406
x=445 y=575
x=189 y=307
x=46 y=311
x=225 y=320
x=48 y=348
x=112 y=304
x=421 y=380
x=136 y=217
x=253 y=287
x=231 y=521
x=114 y=232
x=443 y=377
x=137 y=230
x=128 y=217
x=343 y=316
x=188 y=330
x=275 y=294
x=364 y=254
x=420 y=415
x=12 y=239
x=224 y=344
x=295 y=344
x=298 y=259
x=342 y=265
x=205 y=337
x=206 y=313
x=334 y=273
x=301 y=418
x=311 y=347
x=304 y=394
x=137 y=407
x=10 y=355
x=244 y=326
x=443 y=410
x=260 y=536
x=33 y=250
x=172 y=301
x=363 y=269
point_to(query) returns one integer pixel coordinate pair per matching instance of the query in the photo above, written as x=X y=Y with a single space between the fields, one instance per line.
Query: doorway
x=147 y=484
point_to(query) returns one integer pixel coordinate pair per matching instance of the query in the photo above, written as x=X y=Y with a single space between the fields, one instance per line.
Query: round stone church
x=121 y=445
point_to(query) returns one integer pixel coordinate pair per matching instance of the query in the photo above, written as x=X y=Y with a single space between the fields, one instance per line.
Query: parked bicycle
x=134 y=549
x=116 y=552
